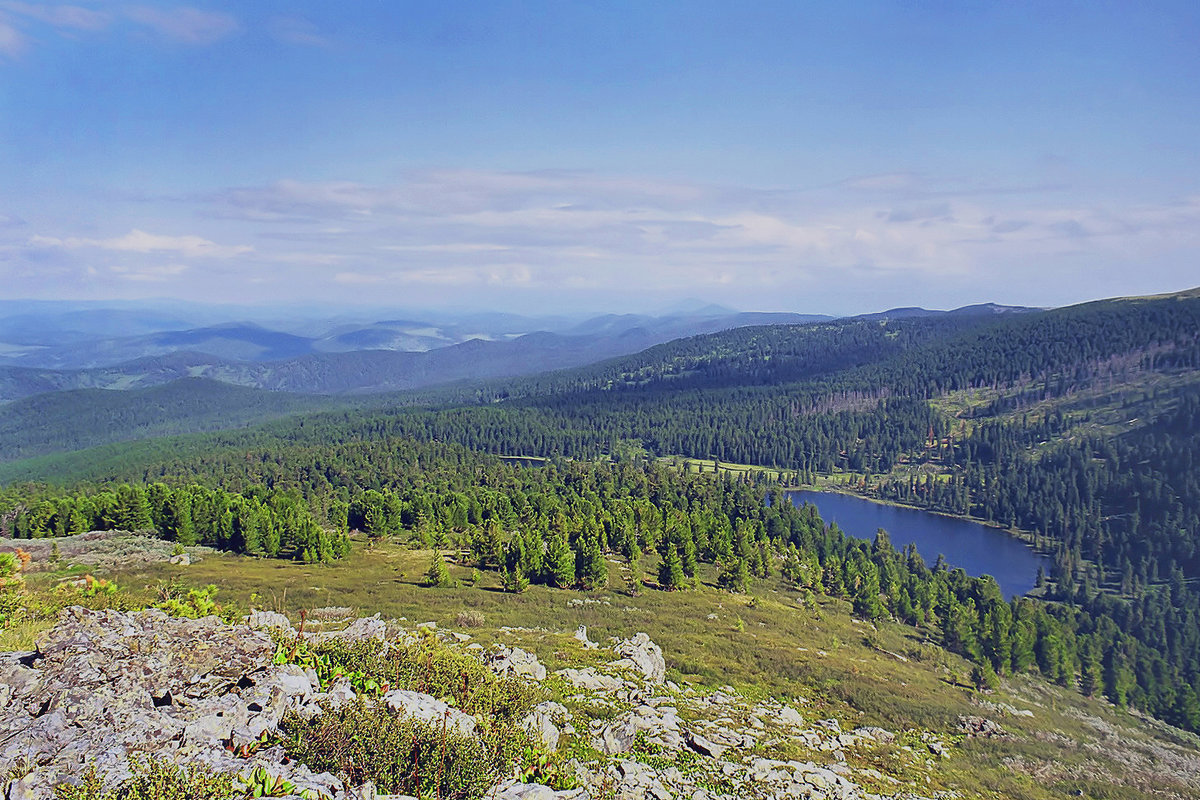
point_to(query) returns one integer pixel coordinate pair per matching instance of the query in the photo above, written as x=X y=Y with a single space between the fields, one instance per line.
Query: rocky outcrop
x=643 y=656
x=515 y=661
x=428 y=708
x=104 y=685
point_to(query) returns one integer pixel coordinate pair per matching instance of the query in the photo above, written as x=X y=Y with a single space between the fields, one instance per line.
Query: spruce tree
x=670 y=569
x=560 y=561
x=438 y=576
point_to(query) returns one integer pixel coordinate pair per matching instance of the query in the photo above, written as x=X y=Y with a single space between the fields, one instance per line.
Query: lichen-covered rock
x=104 y=684
x=543 y=723
x=590 y=680
x=270 y=619
x=428 y=708
x=582 y=637
x=657 y=725
x=360 y=630
x=643 y=656
x=515 y=661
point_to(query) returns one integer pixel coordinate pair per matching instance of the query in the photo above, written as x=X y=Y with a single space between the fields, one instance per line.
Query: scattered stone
x=981 y=727
x=515 y=661
x=642 y=655
x=581 y=636
x=591 y=680
x=428 y=708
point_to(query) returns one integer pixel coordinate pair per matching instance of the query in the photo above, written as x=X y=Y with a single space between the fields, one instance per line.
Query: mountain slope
x=82 y=418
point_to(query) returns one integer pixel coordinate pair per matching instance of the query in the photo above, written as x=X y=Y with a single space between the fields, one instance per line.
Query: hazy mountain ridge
x=379 y=357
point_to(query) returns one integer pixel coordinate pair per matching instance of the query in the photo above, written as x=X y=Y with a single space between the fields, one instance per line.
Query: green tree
x=670 y=569
x=437 y=576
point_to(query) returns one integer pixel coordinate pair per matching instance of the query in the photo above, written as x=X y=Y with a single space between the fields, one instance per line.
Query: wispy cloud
x=185 y=25
x=483 y=232
x=137 y=241
x=69 y=17
x=296 y=30
x=12 y=43
x=180 y=24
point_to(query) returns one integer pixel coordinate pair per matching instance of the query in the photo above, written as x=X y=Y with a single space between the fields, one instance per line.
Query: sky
x=838 y=157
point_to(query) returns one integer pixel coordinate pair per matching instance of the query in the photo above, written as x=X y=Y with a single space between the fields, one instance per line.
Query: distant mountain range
x=380 y=356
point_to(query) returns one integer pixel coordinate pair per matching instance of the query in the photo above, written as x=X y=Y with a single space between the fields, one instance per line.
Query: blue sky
x=820 y=157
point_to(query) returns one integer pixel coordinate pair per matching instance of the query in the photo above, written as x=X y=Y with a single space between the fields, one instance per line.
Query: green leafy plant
x=261 y=783
x=538 y=766
x=152 y=779
x=194 y=604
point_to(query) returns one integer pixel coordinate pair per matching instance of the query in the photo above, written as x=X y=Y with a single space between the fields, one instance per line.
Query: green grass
x=820 y=657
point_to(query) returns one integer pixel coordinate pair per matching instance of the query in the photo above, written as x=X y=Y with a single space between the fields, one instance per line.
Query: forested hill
x=1078 y=426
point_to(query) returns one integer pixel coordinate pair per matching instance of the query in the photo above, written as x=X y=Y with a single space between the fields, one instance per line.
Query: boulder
x=657 y=725
x=643 y=656
x=543 y=723
x=515 y=661
x=428 y=708
x=265 y=620
x=591 y=680
x=582 y=637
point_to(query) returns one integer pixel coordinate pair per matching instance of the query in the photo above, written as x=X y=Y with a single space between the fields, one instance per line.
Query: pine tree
x=590 y=567
x=670 y=570
x=635 y=570
x=437 y=576
x=560 y=561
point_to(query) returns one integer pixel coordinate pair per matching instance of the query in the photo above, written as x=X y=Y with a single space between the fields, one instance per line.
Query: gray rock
x=581 y=636
x=516 y=661
x=360 y=630
x=429 y=709
x=643 y=656
x=527 y=791
x=269 y=619
x=705 y=747
x=543 y=723
x=591 y=680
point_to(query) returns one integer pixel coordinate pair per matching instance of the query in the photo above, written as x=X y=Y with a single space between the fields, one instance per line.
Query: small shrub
x=438 y=576
x=469 y=619
x=152 y=779
x=194 y=604
x=427 y=665
x=367 y=741
x=538 y=766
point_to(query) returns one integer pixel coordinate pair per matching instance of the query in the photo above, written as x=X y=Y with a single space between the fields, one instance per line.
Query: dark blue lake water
x=976 y=548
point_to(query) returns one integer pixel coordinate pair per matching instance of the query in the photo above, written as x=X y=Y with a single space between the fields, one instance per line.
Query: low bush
x=431 y=666
x=152 y=779
x=469 y=619
x=366 y=741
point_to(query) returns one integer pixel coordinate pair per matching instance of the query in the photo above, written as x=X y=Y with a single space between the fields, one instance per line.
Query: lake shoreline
x=977 y=548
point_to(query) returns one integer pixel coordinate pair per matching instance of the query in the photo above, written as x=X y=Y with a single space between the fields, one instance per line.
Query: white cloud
x=155 y=274
x=137 y=241
x=61 y=16
x=296 y=30
x=12 y=43
x=577 y=229
x=534 y=234
x=185 y=25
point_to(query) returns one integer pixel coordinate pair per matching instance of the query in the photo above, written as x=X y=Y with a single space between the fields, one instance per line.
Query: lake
x=976 y=548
